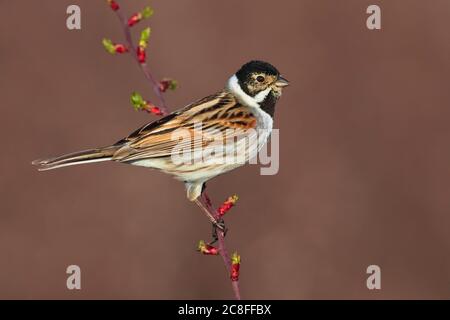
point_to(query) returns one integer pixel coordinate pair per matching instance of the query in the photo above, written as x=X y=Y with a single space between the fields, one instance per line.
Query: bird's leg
x=219 y=222
x=212 y=216
x=208 y=203
x=206 y=210
x=206 y=198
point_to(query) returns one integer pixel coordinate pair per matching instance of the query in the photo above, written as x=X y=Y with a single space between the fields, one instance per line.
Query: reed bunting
x=246 y=104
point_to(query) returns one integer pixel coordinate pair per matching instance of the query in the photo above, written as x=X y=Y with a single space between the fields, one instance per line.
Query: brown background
x=364 y=172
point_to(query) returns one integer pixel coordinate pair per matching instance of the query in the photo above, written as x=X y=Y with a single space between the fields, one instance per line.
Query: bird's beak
x=281 y=82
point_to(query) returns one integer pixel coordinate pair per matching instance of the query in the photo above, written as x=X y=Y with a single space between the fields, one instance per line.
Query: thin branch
x=226 y=259
x=143 y=66
x=222 y=247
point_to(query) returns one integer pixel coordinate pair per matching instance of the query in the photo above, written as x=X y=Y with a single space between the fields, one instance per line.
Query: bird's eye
x=260 y=78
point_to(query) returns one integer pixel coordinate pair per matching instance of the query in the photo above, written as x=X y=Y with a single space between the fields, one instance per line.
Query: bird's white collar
x=235 y=88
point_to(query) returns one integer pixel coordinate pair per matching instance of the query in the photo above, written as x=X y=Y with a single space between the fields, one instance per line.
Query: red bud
x=207 y=249
x=135 y=18
x=235 y=272
x=227 y=205
x=163 y=86
x=156 y=110
x=141 y=54
x=151 y=108
x=235 y=266
x=167 y=84
x=113 y=5
x=120 y=48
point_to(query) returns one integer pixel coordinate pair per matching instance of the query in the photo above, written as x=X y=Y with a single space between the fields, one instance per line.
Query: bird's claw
x=218 y=225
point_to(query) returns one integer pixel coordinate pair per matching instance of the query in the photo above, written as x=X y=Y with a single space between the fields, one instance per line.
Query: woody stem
x=222 y=247
x=144 y=67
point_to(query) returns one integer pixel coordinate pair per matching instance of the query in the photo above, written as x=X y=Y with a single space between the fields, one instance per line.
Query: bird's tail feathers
x=71 y=159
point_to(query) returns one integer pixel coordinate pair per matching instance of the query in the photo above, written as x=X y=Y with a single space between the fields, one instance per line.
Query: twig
x=226 y=259
x=143 y=66
x=222 y=247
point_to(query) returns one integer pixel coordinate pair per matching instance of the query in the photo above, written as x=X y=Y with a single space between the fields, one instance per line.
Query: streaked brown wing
x=170 y=120
x=200 y=122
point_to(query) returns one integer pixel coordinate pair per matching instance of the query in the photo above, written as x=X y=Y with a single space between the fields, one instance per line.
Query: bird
x=242 y=112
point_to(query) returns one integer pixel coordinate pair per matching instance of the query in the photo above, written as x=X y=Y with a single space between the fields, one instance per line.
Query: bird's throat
x=268 y=104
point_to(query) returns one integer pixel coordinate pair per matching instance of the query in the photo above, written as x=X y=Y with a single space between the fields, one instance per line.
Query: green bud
x=147 y=12
x=145 y=35
x=173 y=84
x=109 y=46
x=235 y=258
x=137 y=101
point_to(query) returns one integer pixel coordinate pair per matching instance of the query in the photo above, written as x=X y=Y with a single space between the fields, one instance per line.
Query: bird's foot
x=218 y=226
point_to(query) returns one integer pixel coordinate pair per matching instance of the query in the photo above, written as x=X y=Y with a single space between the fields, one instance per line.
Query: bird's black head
x=258 y=77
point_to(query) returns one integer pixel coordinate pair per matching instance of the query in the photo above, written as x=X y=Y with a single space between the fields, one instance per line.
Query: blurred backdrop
x=364 y=152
